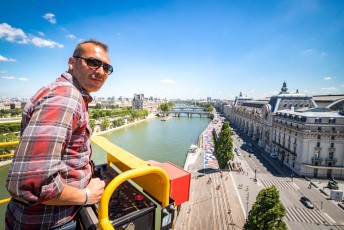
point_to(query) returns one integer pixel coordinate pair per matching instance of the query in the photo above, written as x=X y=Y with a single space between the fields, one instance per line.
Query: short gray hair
x=78 y=49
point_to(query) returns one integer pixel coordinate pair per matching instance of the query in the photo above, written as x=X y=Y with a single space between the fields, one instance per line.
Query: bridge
x=189 y=111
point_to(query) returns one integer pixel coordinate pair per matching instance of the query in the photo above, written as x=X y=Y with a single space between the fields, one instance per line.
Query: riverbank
x=150 y=116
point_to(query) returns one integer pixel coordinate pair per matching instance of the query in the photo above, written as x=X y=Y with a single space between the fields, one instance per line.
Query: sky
x=187 y=49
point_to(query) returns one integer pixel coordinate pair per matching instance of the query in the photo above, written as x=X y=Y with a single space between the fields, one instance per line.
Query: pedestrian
x=51 y=174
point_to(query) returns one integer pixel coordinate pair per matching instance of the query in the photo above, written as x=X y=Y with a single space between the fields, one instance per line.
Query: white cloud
x=341 y=85
x=13 y=34
x=313 y=52
x=70 y=36
x=45 y=43
x=5 y=59
x=168 y=81
x=41 y=33
x=219 y=92
x=50 y=17
x=327 y=78
x=8 y=77
x=23 y=79
x=3 y=71
x=329 y=89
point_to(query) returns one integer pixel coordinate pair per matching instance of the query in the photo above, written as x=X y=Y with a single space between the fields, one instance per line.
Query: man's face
x=90 y=79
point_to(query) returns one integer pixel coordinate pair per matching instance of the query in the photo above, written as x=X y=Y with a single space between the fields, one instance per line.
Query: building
x=306 y=137
x=137 y=102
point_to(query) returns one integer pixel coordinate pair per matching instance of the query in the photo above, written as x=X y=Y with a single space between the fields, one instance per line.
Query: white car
x=274 y=155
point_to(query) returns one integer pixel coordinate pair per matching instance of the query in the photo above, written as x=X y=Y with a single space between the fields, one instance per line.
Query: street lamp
x=248 y=194
x=255 y=174
x=321 y=203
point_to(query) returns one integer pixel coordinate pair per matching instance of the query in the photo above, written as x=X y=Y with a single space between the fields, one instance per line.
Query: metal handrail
x=103 y=210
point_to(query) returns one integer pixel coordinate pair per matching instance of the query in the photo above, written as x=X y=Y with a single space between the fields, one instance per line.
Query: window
x=319 y=128
x=330 y=155
x=318 y=144
x=332 y=145
x=332 y=120
x=318 y=137
x=332 y=137
x=333 y=129
x=316 y=154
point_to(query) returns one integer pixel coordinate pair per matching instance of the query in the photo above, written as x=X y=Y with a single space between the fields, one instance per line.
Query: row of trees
x=208 y=107
x=131 y=116
x=9 y=128
x=10 y=112
x=268 y=211
x=224 y=146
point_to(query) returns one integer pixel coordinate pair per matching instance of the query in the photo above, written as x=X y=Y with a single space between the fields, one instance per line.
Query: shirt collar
x=86 y=96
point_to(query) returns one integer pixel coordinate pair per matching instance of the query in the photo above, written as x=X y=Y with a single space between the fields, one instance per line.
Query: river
x=149 y=140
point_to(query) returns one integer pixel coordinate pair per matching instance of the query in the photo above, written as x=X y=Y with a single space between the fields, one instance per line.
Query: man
x=51 y=174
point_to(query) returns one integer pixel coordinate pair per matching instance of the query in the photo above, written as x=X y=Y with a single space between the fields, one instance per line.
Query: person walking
x=51 y=174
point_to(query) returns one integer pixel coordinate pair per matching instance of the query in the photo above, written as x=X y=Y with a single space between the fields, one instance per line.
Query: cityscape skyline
x=179 y=49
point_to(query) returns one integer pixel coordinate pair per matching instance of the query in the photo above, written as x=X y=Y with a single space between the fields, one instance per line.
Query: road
x=268 y=171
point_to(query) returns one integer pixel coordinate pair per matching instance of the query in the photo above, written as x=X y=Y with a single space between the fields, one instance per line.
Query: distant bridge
x=189 y=111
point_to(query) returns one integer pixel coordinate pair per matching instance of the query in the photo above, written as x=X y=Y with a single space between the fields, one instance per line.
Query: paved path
x=214 y=202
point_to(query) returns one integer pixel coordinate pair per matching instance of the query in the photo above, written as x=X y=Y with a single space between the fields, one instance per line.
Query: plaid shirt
x=54 y=150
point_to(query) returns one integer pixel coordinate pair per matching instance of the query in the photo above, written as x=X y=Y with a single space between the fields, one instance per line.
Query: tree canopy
x=267 y=212
x=224 y=146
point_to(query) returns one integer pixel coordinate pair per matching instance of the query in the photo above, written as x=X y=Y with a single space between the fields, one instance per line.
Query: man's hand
x=96 y=187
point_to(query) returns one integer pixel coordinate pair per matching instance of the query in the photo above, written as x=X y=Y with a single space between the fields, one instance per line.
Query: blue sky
x=179 y=49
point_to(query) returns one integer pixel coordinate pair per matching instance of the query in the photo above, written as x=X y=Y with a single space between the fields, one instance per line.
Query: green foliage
x=164 y=107
x=224 y=147
x=117 y=123
x=92 y=124
x=267 y=212
x=104 y=124
x=9 y=127
x=225 y=125
x=99 y=106
x=7 y=138
x=10 y=112
x=208 y=107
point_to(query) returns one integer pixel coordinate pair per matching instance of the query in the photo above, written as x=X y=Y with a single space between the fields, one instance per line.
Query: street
x=261 y=171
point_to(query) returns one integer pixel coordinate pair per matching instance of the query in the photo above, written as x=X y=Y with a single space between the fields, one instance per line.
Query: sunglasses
x=95 y=63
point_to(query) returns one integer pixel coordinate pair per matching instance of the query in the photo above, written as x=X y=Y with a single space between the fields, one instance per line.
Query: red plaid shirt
x=54 y=150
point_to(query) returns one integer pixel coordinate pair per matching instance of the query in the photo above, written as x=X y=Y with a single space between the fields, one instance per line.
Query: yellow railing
x=3 y=144
x=152 y=179
x=118 y=180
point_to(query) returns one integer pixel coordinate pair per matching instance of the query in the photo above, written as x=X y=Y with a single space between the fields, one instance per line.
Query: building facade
x=307 y=138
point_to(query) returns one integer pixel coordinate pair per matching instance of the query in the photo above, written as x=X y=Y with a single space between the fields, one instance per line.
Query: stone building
x=307 y=138
x=137 y=102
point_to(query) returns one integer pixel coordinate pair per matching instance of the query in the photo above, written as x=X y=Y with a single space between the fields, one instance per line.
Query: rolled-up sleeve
x=39 y=170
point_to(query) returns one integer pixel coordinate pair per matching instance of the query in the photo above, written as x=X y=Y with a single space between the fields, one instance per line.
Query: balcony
x=317 y=160
x=330 y=160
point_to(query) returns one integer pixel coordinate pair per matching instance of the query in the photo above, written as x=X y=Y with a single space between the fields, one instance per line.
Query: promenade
x=214 y=202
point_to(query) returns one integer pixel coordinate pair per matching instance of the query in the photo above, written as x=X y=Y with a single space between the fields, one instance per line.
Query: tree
x=164 y=107
x=267 y=212
x=104 y=124
x=92 y=124
x=225 y=125
x=224 y=148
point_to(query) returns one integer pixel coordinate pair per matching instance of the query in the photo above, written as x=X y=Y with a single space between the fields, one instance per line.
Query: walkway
x=214 y=202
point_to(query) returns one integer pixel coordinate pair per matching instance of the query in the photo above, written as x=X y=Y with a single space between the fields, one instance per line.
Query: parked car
x=304 y=200
x=249 y=144
x=274 y=155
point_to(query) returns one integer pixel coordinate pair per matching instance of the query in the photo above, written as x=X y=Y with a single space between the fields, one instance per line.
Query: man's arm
x=74 y=196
